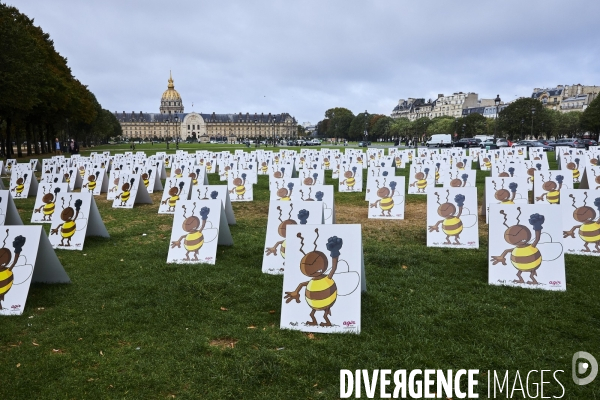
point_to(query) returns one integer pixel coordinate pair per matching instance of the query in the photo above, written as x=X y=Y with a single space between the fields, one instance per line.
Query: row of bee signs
x=321 y=262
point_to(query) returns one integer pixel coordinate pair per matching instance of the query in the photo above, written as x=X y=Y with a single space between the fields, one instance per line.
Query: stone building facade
x=566 y=98
x=451 y=105
x=173 y=124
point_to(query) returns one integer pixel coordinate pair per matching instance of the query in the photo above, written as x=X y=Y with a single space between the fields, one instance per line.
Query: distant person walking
x=57 y=147
x=73 y=147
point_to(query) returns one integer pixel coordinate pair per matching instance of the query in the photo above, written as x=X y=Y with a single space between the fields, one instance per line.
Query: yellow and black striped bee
x=82 y=171
x=68 y=176
x=179 y=172
x=452 y=225
x=20 y=185
x=174 y=194
x=69 y=226
x=309 y=181
x=421 y=180
x=283 y=193
x=526 y=256
x=350 y=180
x=240 y=187
x=321 y=291
x=92 y=180
x=146 y=177
x=7 y=279
x=589 y=230
x=386 y=197
x=574 y=166
x=552 y=189
x=125 y=192
x=193 y=239
x=49 y=200
x=281 y=230
x=504 y=196
x=194 y=176
x=456 y=182
x=264 y=167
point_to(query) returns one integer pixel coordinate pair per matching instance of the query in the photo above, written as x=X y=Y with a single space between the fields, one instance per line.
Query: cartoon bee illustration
x=279 y=173
x=487 y=163
x=276 y=160
x=91 y=184
x=503 y=195
x=421 y=180
x=531 y=172
x=589 y=230
x=321 y=291
x=520 y=151
x=179 y=172
x=283 y=193
x=194 y=176
x=525 y=256
x=281 y=230
x=49 y=200
x=116 y=185
x=309 y=181
x=452 y=224
x=574 y=166
x=552 y=189
x=213 y=195
x=194 y=237
x=240 y=186
x=20 y=185
x=456 y=182
x=504 y=174
x=538 y=156
x=461 y=165
x=386 y=197
x=350 y=180
x=398 y=160
x=125 y=192
x=596 y=178
x=82 y=171
x=9 y=166
x=595 y=161
x=437 y=171
x=264 y=167
x=326 y=162
x=69 y=216
x=7 y=276
x=146 y=177
x=68 y=176
x=410 y=156
x=208 y=166
x=309 y=195
x=174 y=195
x=167 y=162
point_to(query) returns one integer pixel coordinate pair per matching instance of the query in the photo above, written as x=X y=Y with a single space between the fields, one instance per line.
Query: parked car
x=494 y=144
x=570 y=142
x=547 y=142
x=364 y=144
x=533 y=143
x=589 y=142
x=314 y=142
x=467 y=142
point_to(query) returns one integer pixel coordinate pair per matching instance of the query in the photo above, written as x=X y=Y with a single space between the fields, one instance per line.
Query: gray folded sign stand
x=76 y=217
x=28 y=258
x=198 y=226
x=8 y=211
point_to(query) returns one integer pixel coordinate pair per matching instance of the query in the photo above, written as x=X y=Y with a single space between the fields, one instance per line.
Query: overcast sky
x=303 y=57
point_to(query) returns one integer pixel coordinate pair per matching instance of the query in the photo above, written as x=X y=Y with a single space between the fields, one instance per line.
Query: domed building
x=170 y=102
x=173 y=124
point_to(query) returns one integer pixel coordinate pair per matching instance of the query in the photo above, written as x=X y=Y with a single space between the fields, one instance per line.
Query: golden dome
x=171 y=94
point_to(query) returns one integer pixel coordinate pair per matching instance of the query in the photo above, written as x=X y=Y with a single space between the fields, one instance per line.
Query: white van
x=483 y=138
x=440 y=140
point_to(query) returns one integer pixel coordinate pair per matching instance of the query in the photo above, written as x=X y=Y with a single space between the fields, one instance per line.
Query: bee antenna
x=315 y=242
x=447 y=194
x=309 y=191
x=438 y=198
x=301 y=242
x=573 y=197
x=585 y=198
x=291 y=209
x=301 y=194
x=384 y=179
x=280 y=212
x=505 y=218
x=519 y=216
x=198 y=190
x=194 y=209
x=377 y=180
x=494 y=182
x=63 y=202
x=184 y=210
x=4 y=244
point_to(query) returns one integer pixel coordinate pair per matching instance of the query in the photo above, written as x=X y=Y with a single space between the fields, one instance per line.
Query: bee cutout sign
x=216 y=192
x=525 y=248
x=239 y=188
x=548 y=185
x=75 y=218
x=175 y=189
x=281 y=216
x=323 y=280
x=506 y=191
x=96 y=181
x=459 y=178
x=452 y=218
x=26 y=256
x=198 y=226
x=321 y=193
x=350 y=178
x=131 y=191
x=421 y=177
x=590 y=178
x=23 y=183
x=581 y=221
x=9 y=215
x=45 y=201
x=386 y=201
x=377 y=174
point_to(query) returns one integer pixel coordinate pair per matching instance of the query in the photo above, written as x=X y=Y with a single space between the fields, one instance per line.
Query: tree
x=338 y=122
x=590 y=119
x=516 y=120
x=441 y=125
x=381 y=128
x=400 y=128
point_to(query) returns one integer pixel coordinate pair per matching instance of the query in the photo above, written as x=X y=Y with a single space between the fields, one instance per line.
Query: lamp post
x=255 y=138
x=497 y=101
x=168 y=131
x=178 y=132
x=532 y=112
x=366 y=133
x=522 y=121
x=273 y=131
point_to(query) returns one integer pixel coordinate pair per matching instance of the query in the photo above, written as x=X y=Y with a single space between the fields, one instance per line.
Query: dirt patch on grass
x=250 y=210
x=224 y=343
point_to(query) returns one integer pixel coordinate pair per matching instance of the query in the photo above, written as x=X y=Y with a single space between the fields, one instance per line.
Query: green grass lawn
x=131 y=326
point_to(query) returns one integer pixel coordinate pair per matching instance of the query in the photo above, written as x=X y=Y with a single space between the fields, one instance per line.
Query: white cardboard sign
x=580 y=221
x=9 y=215
x=175 y=189
x=351 y=178
x=45 y=201
x=421 y=177
x=239 y=189
x=386 y=201
x=323 y=281
x=198 y=226
x=132 y=191
x=283 y=214
x=525 y=248
x=507 y=191
x=96 y=181
x=76 y=217
x=23 y=183
x=452 y=218
x=322 y=193
x=547 y=185
x=216 y=192
x=29 y=258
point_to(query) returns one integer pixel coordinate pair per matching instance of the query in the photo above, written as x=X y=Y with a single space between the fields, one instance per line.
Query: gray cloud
x=305 y=57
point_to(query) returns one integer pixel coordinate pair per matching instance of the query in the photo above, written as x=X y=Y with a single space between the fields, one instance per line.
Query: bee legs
x=327 y=321
x=597 y=247
x=456 y=239
x=532 y=275
x=447 y=240
x=586 y=247
x=314 y=320
x=521 y=280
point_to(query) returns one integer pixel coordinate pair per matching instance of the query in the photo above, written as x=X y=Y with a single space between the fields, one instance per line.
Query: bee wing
x=550 y=250
x=521 y=200
x=346 y=281
x=327 y=212
x=210 y=234
x=81 y=222
x=22 y=272
x=398 y=198
x=468 y=220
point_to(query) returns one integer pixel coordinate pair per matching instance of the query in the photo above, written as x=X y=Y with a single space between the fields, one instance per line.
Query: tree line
x=40 y=99
x=523 y=118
